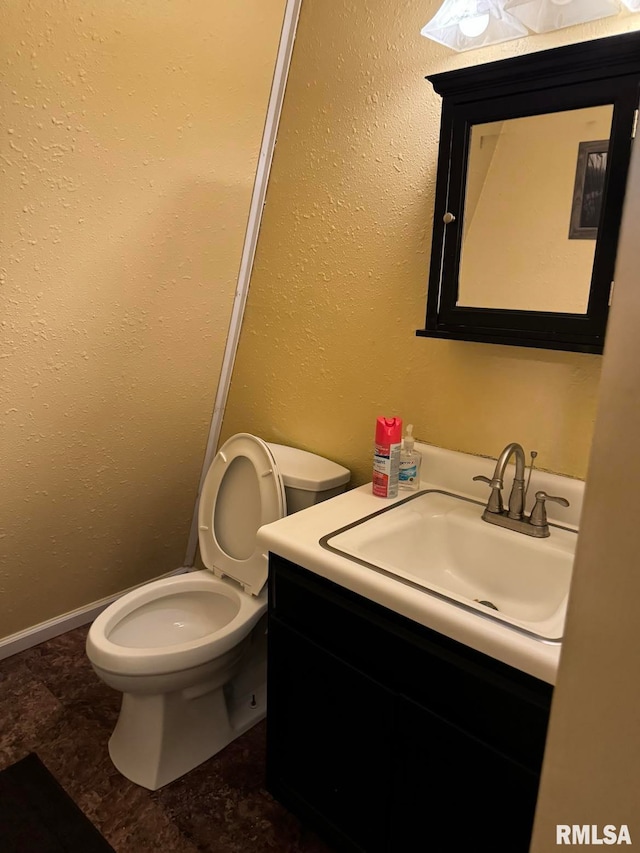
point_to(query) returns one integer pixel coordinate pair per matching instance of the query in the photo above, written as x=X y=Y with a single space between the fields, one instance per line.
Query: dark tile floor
x=52 y=703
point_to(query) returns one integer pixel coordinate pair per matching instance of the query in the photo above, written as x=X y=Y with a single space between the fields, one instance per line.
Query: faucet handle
x=494 y=504
x=543 y=496
x=539 y=512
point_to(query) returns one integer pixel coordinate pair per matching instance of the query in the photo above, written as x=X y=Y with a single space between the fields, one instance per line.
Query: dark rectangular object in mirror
x=591 y=171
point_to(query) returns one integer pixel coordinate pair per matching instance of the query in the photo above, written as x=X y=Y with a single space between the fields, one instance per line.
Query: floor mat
x=38 y=816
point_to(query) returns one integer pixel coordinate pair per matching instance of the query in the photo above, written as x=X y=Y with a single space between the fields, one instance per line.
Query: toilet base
x=159 y=738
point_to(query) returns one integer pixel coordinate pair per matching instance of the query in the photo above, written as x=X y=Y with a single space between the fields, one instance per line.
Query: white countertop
x=297 y=538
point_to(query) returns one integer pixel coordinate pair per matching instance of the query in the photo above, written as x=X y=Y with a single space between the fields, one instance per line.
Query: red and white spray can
x=386 y=457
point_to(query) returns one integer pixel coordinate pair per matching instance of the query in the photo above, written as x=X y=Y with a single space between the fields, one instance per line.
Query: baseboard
x=30 y=637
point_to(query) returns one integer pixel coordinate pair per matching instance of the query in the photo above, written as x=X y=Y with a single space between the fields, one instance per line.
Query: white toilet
x=188 y=652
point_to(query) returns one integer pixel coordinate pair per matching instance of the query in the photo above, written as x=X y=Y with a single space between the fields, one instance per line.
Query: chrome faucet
x=514 y=517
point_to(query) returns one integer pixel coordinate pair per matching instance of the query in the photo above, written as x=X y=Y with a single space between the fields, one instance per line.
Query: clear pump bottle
x=410 y=462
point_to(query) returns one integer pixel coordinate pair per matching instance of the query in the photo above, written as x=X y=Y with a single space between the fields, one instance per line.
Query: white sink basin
x=437 y=541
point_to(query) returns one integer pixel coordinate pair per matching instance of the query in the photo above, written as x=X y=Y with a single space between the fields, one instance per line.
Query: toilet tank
x=308 y=478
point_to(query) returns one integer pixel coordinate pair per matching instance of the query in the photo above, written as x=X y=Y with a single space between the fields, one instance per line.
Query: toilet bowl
x=188 y=652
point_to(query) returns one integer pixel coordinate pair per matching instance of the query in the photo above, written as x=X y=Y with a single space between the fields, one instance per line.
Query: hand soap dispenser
x=410 y=461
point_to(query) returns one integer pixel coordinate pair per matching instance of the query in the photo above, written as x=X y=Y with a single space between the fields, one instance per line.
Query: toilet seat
x=242 y=490
x=117 y=640
x=181 y=622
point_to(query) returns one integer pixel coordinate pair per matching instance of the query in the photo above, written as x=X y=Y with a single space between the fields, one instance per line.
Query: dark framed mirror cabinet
x=532 y=168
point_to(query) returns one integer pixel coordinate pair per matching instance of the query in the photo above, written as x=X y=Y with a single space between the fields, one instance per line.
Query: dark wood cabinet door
x=389 y=738
x=453 y=792
x=329 y=742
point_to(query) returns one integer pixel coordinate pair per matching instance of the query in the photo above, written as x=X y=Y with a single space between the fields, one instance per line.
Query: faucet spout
x=516 y=498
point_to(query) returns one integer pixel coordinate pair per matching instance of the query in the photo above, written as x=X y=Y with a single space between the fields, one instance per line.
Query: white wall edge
x=30 y=637
x=276 y=98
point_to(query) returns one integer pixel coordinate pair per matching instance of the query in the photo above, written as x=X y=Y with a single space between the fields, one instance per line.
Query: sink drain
x=486 y=603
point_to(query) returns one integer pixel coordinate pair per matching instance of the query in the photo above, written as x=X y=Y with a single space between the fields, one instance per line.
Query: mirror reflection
x=533 y=192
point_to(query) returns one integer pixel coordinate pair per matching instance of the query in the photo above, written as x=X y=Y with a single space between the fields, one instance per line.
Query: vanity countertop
x=297 y=538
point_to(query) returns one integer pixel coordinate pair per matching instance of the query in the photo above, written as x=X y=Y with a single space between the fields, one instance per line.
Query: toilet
x=188 y=652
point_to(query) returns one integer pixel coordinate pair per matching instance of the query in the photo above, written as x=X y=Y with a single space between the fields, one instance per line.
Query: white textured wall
x=128 y=144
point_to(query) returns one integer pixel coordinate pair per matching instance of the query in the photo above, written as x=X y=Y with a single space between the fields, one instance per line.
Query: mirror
x=532 y=167
x=512 y=256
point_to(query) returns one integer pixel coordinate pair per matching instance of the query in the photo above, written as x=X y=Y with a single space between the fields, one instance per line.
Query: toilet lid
x=242 y=491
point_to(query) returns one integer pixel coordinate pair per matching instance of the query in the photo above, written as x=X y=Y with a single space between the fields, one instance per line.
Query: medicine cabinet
x=532 y=168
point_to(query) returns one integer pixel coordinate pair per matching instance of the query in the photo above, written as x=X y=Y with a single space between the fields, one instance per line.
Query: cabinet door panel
x=453 y=792
x=329 y=730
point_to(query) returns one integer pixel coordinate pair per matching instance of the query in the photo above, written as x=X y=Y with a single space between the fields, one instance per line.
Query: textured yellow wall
x=130 y=136
x=340 y=278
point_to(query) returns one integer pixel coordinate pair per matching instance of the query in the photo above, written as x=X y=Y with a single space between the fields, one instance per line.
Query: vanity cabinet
x=384 y=735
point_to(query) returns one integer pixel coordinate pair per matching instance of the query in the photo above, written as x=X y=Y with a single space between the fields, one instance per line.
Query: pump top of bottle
x=408 y=438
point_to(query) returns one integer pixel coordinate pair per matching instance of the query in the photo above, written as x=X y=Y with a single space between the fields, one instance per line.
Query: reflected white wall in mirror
x=516 y=251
